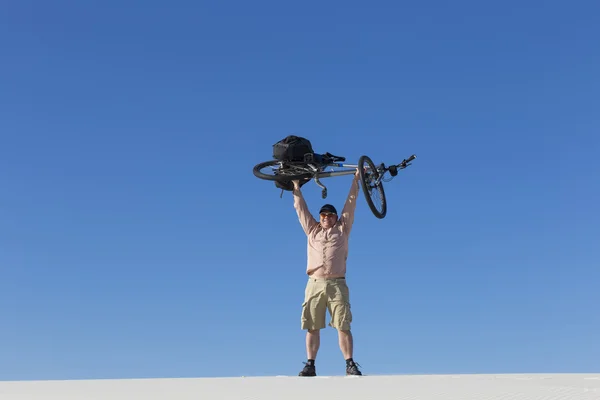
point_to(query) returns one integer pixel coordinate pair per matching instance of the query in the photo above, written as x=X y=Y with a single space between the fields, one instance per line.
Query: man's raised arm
x=304 y=216
x=347 y=217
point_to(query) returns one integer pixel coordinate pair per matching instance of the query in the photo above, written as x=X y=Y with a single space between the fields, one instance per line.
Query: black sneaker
x=308 y=370
x=352 y=368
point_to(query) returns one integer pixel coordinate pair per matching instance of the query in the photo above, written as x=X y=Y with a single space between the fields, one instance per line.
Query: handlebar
x=405 y=163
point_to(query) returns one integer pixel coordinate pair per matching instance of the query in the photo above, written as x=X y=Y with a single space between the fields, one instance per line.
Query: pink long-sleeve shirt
x=327 y=249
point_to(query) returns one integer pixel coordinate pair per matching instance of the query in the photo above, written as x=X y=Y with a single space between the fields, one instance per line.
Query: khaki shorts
x=322 y=295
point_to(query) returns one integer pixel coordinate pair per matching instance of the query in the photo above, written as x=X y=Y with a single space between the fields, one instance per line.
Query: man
x=326 y=289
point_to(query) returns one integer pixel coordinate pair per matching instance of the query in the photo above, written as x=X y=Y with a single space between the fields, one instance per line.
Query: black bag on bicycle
x=292 y=148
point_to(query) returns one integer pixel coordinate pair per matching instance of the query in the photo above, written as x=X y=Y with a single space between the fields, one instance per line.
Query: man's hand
x=357 y=174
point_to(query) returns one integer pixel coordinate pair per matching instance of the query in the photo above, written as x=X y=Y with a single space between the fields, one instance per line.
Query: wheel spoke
x=372 y=187
x=278 y=171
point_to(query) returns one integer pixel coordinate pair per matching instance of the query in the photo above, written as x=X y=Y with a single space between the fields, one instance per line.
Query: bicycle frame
x=329 y=174
x=344 y=172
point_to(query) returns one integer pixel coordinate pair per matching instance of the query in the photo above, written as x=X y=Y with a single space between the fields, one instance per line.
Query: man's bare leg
x=347 y=346
x=346 y=343
x=313 y=341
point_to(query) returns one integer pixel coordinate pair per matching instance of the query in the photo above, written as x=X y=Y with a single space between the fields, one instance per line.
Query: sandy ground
x=397 y=387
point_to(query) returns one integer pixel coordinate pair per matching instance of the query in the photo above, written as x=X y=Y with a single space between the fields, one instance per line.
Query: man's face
x=328 y=219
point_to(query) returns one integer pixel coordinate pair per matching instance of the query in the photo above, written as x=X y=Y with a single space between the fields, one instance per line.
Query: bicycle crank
x=324 y=191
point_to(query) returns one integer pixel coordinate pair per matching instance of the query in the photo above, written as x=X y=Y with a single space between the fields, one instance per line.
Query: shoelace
x=354 y=366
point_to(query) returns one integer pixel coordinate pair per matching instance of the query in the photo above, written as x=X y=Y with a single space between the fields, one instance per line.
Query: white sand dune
x=397 y=387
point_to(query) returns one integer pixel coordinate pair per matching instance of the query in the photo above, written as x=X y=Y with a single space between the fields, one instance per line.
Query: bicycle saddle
x=326 y=158
x=333 y=158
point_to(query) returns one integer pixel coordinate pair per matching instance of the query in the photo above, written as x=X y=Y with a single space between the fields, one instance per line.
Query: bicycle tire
x=366 y=186
x=281 y=178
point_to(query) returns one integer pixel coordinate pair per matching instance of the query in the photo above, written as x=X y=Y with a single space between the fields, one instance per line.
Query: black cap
x=328 y=208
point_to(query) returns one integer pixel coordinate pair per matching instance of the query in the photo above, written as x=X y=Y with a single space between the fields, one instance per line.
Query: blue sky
x=136 y=242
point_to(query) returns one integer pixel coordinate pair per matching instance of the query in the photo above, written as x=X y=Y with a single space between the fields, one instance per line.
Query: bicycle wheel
x=374 y=193
x=275 y=170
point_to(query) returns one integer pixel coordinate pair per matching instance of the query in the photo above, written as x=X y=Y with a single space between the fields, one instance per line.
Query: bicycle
x=314 y=166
